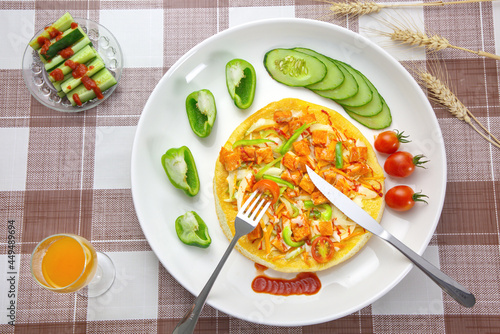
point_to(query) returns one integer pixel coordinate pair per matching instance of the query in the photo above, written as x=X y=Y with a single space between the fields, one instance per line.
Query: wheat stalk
x=358 y=8
x=440 y=93
x=410 y=36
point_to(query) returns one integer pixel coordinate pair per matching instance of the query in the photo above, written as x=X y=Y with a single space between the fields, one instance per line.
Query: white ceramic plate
x=345 y=288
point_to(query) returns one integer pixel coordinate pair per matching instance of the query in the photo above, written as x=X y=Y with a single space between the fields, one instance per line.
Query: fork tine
x=253 y=214
x=264 y=209
x=252 y=205
x=244 y=206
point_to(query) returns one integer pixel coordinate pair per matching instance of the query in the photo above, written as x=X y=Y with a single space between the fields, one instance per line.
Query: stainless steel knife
x=362 y=218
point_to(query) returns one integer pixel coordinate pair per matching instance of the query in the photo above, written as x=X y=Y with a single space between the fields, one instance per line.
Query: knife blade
x=345 y=204
x=362 y=218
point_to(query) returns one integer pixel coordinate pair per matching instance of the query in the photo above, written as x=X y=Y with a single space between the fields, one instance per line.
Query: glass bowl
x=37 y=80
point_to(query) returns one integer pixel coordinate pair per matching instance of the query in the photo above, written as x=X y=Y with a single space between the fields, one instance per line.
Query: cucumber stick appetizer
x=91 y=87
x=73 y=65
x=332 y=79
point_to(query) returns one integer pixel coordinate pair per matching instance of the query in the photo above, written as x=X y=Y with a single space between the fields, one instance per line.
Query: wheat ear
x=358 y=8
x=410 y=36
x=439 y=92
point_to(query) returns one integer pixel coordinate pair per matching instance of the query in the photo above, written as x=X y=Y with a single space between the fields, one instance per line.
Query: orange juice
x=64 y=263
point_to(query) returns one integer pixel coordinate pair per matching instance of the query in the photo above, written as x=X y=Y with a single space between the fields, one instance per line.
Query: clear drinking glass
x=68 y=263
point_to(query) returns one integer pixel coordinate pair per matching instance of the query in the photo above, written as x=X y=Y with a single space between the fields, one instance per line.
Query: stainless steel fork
x=246 y=220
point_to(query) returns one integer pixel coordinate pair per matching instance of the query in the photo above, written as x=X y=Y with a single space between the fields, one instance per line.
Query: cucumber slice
x=380 y=121
x=364 y=94
x=333 y=78
x=57 y=60
x=81 y=57
x=373 y=107
x=104 y=80
x=93 y=67
x=68 y=38
x=294 y=68
x=62 y=24
x=346 y=90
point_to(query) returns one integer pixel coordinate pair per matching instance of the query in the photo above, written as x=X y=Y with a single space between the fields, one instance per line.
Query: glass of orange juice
x=68 y=263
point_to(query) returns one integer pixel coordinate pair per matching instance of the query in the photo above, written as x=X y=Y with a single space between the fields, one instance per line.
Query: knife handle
x=449 y=285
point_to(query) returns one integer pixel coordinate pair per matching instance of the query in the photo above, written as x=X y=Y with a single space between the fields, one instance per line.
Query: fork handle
x=449 y=285
x=188 y=322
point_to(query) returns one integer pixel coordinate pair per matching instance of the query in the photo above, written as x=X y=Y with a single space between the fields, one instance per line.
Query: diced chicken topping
x=230 y=159
x=247 y=153
x=290 y=160
x=318 y=198
x=319 y=137
x=307 y=184
x=255 y=234
x=358 y=154
x=264 y=155
x=325 y=228
x=283 y=116
x=301 y=231
x=301 y=147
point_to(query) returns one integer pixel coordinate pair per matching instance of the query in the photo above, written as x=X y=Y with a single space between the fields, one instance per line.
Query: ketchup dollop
x=303 y=284
x=90 y=84
x=57 y=74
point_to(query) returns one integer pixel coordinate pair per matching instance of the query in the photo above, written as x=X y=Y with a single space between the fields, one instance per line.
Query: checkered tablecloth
x=71 y=172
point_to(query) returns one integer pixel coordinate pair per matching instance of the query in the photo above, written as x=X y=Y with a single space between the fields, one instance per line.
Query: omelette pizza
x=301 y=231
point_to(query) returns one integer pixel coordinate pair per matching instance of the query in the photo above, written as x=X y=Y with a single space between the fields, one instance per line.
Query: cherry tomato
x=402 y=164
x=388 y=141
x=322 y=249
x=268 y=187
x=403 y=198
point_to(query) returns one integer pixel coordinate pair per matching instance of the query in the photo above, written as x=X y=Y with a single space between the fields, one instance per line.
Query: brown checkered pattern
x=60 y=196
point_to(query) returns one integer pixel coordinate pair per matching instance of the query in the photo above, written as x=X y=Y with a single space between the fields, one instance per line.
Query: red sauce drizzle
x=76 y=98
x=45 y=46
x=328 y=115
x=66 y=53
x=303 y=284
x=79 y=71
x=90 y=84
x=41 y=40
x=74 y=25
x=57 y=74
x=53 y=32
x=71 y=64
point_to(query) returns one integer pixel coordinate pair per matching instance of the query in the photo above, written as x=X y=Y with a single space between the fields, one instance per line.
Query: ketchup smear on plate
x=303 y=284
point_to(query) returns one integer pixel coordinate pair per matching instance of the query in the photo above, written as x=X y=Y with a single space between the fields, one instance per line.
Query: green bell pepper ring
x=339 y=159
x=287 y=238
x=247 y=142
x=278 y=180
x=326 y=212
x=241 y=81
x=323 y=211
x=181 y=170
x=288 y=144
x=192 y=230
x=308 y=204
x=314 y=213
x=201 y=112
